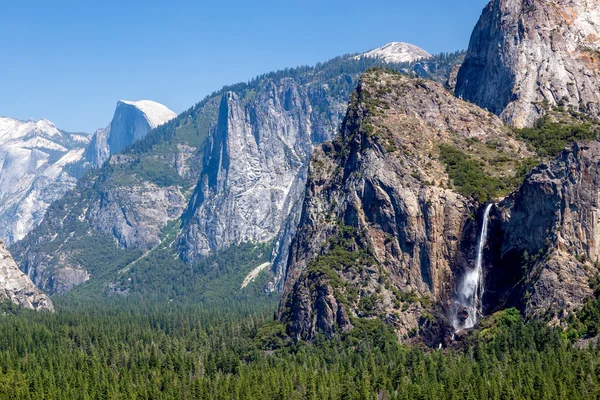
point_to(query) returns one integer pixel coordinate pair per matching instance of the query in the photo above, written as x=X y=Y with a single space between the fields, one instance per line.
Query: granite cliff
x=547 y=238
x=256 y=159
x=16 y=287
x=131 y=122
x=245 y=194
x=527 y=57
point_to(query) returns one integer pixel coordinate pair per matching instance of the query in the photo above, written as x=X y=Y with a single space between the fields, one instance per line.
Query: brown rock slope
x=383 y=234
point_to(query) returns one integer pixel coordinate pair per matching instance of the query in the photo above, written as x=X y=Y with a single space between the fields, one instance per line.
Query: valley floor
x=140 y=350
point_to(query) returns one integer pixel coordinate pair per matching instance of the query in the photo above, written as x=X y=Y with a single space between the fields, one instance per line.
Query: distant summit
x=397 y=52
x=156 y=114
x=131 y=122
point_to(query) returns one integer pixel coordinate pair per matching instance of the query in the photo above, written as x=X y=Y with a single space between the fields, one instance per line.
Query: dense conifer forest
x=134 y=349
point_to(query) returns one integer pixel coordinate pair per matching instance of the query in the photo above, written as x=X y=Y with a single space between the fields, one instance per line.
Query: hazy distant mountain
x=131 y=122
x=39 y=164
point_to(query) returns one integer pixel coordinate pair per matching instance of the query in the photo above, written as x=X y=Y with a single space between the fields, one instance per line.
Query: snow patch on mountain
x=397 y=52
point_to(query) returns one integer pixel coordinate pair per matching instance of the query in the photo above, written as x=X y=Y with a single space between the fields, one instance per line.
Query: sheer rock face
x=252 y=171
x=38 y=164
x=554 y=219
x=99 y=151
x=528 y=55
x=17 y=287
x=381 y=186
x=254 y=167
x=131 y=122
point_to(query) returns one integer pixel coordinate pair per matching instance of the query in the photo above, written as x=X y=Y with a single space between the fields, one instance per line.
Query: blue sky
x=71 y=61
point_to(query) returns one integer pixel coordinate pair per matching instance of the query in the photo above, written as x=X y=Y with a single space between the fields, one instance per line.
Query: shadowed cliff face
x=550 y=234
x=526 y=56
x=382 y=233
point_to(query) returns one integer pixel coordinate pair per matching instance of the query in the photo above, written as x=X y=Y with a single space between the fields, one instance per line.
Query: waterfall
x=470 y=293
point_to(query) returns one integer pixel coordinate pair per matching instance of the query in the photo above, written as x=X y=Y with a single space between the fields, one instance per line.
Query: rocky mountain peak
x=386 y=230
x=526 y=57
x=398 y=52
x=156 y=114
x=131 y=122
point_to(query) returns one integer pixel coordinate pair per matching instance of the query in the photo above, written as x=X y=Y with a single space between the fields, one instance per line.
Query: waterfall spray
x=471 y=289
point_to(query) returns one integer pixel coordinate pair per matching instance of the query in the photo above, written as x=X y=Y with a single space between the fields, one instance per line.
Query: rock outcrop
x=134 y=215
x=527 y=56
x=39 y=164
x=97 y=225
x=16 y=287
x=98 y=151
x=382 y=232
x=120 y=210
x=256 y=158
x=550 y=244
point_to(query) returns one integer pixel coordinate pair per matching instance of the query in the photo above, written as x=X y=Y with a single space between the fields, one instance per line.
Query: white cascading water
x=472 y=288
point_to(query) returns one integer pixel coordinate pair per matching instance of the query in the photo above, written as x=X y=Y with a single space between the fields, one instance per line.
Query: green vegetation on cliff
x=469 y=176
x=586 y=322
x=549 y=138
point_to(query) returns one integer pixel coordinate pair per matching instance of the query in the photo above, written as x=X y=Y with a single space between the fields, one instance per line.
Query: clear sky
x=71 y=61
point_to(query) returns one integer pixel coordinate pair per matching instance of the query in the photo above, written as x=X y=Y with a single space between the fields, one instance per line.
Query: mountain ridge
x=168 y=162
